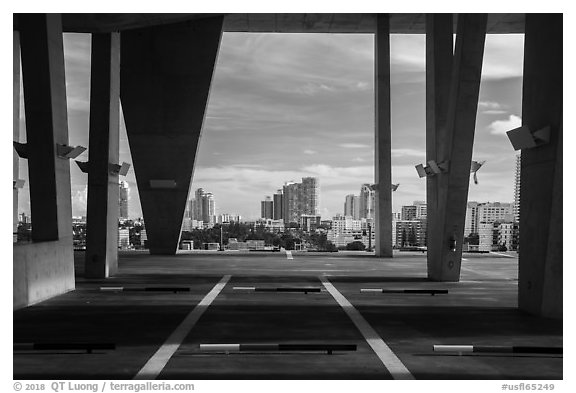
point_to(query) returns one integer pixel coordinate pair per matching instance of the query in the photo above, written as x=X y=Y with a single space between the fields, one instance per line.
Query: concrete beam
x=166 y=73
x=458 y=143
x=45 y=268
x=540 y=264
x=101 y=259
x=439 y=57
x=383 y=142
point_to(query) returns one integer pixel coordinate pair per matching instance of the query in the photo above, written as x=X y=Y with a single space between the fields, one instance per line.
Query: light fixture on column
x=19 y=183
x=69 y=152
x=21 y=149
x=433 y=168
x=474 y=168
x=117 y=169
x=395 y=186
x=83 y=165
x=524 y=138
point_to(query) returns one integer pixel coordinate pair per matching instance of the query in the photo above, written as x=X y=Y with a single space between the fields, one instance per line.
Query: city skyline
x=292 y=106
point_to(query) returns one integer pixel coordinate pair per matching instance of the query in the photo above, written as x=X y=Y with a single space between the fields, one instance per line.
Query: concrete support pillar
x=383 y=142
x=102 y=212
x=540 y=264
x=439 y=57
x=46 y=125
x=45 y=268
x=166 y=73
x=457 y=143
x=16 y=124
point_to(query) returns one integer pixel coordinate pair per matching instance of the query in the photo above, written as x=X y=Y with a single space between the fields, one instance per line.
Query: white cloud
x=494 y=112
x=408 y=152
x=491 y=108
x=358 y=159
x=489 y=105
x=311 y=152
x=353 y=145
x=500 y=127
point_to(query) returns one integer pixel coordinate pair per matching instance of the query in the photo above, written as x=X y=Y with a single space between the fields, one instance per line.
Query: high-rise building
x=517 y=189
x=310 y=195
x=367 y=203
x=421 y=210
x=123 y=200
x=471 y=222
x=208 y=209
x=352 y=206
x=410 y=233
x=409 y=213
x=477 y=213
x=278 y=205
x=203 y=208
x=496 y=211
x=267 y=208
x=309 y=222
x=349 y=205
x=300 y=198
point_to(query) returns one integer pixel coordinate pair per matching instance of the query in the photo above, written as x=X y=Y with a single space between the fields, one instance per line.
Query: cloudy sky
x=285 y=106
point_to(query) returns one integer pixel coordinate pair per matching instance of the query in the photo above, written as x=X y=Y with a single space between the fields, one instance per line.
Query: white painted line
x=244 y=288
x=502 y=255
x=453 y=348
x=370 y=289
x=158 y=361
x=384 y=353
x=464 y=259
x=219 y=347
x=289 y=254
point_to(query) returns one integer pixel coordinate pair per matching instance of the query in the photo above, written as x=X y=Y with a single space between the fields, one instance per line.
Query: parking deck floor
x=478 y=310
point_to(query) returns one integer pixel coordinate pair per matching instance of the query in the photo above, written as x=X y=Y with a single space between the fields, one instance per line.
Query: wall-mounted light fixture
x=524 y=138
x=433 y=168
x=395 y=186
x=474 y=168
x=83 y=165
x=117 y=169
x=21 y=149
x=69 y=152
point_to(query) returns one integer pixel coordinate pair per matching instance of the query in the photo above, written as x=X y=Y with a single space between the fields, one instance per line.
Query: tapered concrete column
x=16 y=123
x=102 y=212
x=457 y=144
x=540 y=265
x=383 y=143
x=45 y=268
x=46 y=125
x=439 y=57
x=166 y=73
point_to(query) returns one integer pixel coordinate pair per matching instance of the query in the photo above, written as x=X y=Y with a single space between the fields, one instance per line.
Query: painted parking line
x=394 y=366
x=289 y=254
x=158 y=361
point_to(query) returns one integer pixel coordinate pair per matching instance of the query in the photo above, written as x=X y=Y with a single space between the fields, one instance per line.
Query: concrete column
x=45 y=268
x=103 y=194
x=166 y=73
x=383 y=142
x=457 y=144
x=46 y=125
x=439 y=57
x=540 y=265
x=16 y=123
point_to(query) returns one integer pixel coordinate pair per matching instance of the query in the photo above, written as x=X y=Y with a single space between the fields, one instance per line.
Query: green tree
x=355 y=246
